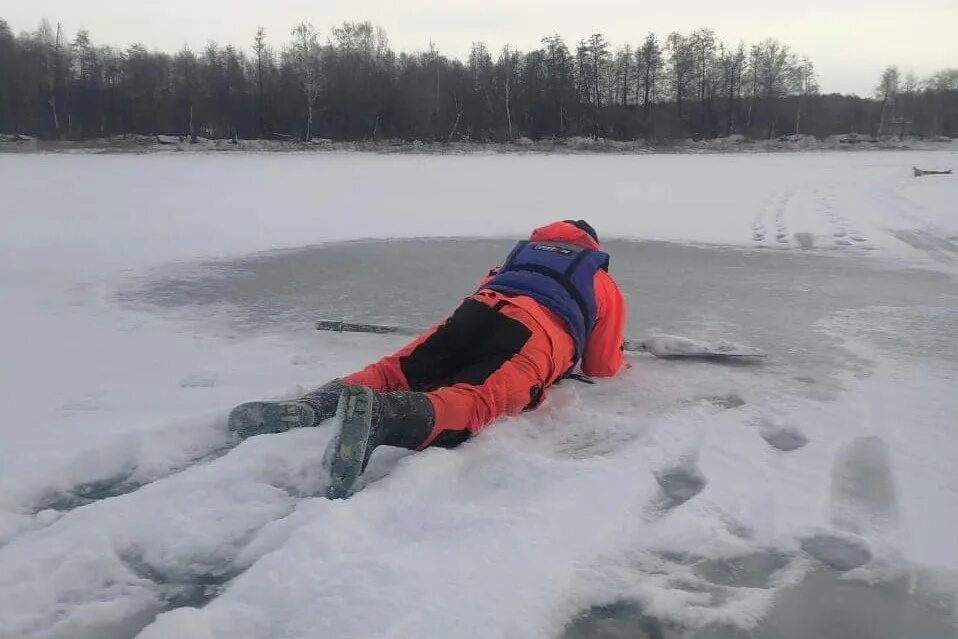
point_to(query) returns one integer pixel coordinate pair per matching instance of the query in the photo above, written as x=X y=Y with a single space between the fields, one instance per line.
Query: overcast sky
x=850 y=41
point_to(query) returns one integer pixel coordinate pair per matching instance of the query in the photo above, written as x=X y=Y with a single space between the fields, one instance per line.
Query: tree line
x=353 y=86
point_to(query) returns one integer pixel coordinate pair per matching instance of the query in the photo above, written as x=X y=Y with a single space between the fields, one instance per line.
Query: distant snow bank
x=732 y=143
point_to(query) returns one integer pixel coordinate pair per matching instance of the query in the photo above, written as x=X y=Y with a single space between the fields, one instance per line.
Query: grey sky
x=849 y=41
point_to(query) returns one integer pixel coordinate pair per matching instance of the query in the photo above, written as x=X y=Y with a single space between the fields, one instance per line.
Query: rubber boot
x=258 y=418
x=401 y=418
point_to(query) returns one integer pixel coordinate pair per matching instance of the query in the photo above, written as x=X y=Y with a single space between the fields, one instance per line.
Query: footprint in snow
x=752 y=570
x=839 y=551
x=779 y=434
x=681 y=483
x=864 y=494
x=677 y=485
x=864 y=500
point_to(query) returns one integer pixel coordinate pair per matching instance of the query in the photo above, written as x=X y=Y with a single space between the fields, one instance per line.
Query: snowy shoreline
x=571 y=146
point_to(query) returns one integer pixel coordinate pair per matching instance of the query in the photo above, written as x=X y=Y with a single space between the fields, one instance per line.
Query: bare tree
x=455 y=125
x=945 y=80
x=599 y=51
x=702 y=45
x=560 y=87
x=187 y=84
x=650 y=65
x=732 y=65
x=583 y=73
x=306 y=55
x=263 y=56
x=50 y=47
x=681 y=67
x=773 y=74
x=52 y=88
x=806 y=84
x=754 y=63
x=507 y=63
x=482 y=76
x=623 y=66
x=887 y=91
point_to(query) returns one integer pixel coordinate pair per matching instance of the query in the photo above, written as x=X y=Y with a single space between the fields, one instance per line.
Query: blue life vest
x=560 y=277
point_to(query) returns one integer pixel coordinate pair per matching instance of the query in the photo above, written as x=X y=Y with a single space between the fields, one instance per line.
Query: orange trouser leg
x=518 y=383
x=386 y=374
x=494 y=356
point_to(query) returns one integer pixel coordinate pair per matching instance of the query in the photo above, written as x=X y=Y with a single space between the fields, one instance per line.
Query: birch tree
x=306 y=53
x=507 y=66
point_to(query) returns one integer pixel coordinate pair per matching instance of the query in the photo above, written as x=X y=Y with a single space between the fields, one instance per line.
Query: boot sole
x=354 y=413
x=259 y=418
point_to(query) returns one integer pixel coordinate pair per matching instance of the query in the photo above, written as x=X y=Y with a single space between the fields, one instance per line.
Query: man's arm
x=603 y=355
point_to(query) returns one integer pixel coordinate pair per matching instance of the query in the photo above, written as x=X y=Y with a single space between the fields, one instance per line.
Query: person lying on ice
x=550 y=306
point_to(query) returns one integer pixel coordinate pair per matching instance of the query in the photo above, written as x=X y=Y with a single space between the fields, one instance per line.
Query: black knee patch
x=450 y=438
x=473 y=343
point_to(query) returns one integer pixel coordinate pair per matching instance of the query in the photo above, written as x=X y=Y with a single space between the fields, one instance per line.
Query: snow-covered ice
x=805 y=493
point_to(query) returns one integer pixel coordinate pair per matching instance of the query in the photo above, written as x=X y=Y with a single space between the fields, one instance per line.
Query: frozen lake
x=770 y=299
x=810 y=494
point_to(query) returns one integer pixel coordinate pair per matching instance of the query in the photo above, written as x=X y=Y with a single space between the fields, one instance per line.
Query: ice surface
x=689 y=499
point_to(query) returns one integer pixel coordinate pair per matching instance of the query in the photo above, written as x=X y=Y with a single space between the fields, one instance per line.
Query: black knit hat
x=585 y=226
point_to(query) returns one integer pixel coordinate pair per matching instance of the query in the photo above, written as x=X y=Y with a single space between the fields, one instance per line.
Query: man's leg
x=481 y=395
x=435 y=358
x=495 y=364
x=318 y=405
x=387 y=374
x=504 y=357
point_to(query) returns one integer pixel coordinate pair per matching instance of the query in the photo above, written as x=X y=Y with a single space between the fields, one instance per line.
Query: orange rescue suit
x=498 y=353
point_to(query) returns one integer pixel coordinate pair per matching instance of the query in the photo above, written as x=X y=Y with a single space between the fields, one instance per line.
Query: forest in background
x=348 y=84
